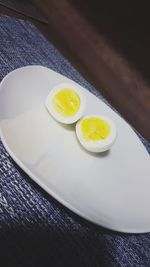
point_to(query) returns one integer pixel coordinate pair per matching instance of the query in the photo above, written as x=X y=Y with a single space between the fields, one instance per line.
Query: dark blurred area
x=24 y=7
x=126 y=24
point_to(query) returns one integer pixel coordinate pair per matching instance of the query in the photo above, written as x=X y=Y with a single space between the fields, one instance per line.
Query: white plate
x=110 y=189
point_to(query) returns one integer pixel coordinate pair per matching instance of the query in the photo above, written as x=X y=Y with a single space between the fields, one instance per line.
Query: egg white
x=100 y=145
x=57 y=116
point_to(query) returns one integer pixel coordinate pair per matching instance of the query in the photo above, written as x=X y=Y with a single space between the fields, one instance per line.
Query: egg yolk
x=66 y=102
x=94 y=129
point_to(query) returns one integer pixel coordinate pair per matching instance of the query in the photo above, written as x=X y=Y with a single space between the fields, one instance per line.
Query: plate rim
x=48 y=189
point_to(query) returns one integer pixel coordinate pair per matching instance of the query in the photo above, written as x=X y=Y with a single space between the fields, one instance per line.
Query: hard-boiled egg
x=96 y=133
x=66 y=103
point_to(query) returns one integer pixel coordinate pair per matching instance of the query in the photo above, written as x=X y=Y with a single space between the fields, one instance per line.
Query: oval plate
x=111 y=189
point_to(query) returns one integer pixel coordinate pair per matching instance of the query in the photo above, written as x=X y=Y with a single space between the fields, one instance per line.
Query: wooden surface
x=24 y=7
x=109 y=45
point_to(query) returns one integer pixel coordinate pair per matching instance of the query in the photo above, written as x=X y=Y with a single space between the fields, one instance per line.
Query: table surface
x=108 y=45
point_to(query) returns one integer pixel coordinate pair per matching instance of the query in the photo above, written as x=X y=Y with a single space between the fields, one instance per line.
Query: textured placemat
x=35 y=230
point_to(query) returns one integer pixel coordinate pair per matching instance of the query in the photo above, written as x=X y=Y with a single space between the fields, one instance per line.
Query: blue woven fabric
x=36 y=230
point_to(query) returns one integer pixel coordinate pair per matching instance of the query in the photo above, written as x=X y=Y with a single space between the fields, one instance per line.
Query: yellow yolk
x=94 y=129
x=66 y=102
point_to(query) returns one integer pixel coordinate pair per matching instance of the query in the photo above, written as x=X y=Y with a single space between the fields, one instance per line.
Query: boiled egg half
x=96 y=133
x=66 y=103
